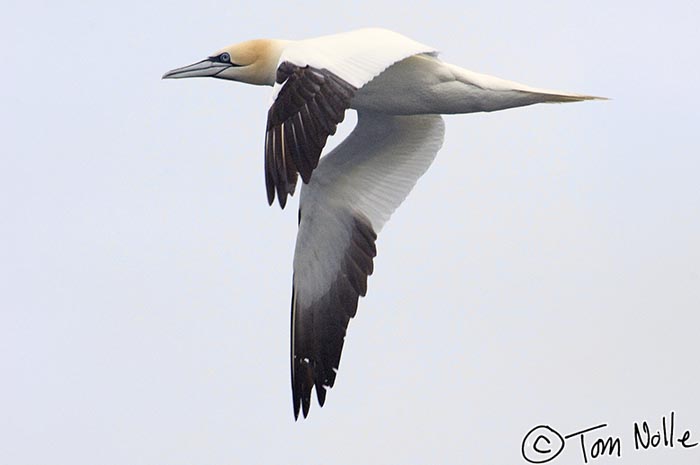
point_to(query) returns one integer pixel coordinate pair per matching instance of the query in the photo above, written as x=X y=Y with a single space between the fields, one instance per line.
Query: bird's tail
x=490 y=93
x=554 y=96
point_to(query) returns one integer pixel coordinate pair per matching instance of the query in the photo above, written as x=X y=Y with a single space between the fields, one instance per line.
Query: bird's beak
x=204 y=68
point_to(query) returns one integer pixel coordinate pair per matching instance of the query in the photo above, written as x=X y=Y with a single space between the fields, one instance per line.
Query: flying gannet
x=399 y=88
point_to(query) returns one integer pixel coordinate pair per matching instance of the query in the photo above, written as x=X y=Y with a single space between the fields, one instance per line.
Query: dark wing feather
x=318 y=328
x=308 y=108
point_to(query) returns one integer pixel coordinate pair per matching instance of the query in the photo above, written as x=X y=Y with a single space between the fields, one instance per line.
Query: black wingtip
x=296 y=398
x=305 y=405
x=321 y=395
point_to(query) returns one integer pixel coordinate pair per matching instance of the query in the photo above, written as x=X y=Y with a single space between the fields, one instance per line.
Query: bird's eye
x=225 y=58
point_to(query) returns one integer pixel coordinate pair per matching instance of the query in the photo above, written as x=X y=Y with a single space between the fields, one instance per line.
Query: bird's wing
x=315 y=83
x=352 y=194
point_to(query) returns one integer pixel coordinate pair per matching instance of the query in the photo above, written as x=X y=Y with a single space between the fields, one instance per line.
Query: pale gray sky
x=546 y=270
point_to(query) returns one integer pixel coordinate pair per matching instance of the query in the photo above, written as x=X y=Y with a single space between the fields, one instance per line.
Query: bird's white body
x=399 y=76
x=399 y=88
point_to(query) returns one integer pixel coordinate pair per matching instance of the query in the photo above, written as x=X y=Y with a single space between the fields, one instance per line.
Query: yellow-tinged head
x=252 y=62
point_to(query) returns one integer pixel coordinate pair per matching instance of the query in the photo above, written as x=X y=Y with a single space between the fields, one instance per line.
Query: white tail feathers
x=490 y=93
x=561 y=97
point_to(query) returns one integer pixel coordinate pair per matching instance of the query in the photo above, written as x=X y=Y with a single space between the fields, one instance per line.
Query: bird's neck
x=265 y=71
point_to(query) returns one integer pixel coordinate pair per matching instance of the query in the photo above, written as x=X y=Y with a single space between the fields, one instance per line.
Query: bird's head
x=252 y=62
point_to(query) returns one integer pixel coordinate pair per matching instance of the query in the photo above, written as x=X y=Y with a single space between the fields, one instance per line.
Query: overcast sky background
x=546 y=269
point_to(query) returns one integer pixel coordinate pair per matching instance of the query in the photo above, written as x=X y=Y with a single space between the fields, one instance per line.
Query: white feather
x=357 y=56
x=370 y=174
